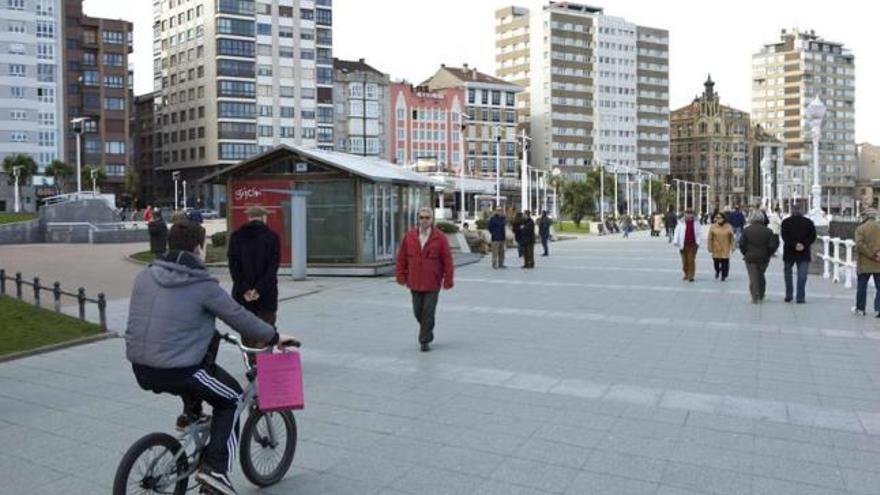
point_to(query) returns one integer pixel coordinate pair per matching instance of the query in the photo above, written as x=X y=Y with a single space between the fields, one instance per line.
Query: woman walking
x=757 y=243
x=720 y=245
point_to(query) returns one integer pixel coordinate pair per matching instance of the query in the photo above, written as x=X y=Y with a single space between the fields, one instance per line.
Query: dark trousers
x=722 y=267
x=757 y=281
x=862 y=291
x=424 y=307
x=529 y=255
x=802 y=268
x=195 y=384
x=545 y=241
x=670 y=231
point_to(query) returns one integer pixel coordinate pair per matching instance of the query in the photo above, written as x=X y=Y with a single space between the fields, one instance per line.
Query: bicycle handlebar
x=232 y=339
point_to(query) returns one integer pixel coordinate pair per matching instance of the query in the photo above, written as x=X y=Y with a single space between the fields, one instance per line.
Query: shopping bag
x=279 y=381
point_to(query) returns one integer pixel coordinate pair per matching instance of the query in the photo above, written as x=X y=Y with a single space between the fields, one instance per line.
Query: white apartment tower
x=234 y=78
x=786 y=76
x=31 y=80
x=597 y=86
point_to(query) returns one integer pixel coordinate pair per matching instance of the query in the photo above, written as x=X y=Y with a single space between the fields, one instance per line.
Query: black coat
x=528 y=232
x=544 y=226
x=797 y=229
x=758 y=243
x=254 y=255
x=158 y=231
x=670 y=220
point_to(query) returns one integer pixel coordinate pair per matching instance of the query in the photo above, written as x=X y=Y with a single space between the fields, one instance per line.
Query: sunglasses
x=424 y=218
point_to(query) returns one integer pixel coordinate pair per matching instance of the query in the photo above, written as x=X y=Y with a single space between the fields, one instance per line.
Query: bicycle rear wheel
x=148 y=467
x=268 y=443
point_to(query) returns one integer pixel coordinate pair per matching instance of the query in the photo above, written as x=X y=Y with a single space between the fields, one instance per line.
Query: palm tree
x=61 y=172
x=27 y=170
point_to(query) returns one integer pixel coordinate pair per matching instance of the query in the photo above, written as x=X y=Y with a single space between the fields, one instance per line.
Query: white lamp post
x=16 y=173
x=524 y=173
x=184 y=194
x=176 y=177
x=79 y=125
x=497 y=167
x=815 y=115
x=602 y=194
x=93 y=173
x=462 y=166
x=556 y=172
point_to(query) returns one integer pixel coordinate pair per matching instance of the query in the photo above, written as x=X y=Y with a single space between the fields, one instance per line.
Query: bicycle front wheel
x=268 y=443
x=149 y=467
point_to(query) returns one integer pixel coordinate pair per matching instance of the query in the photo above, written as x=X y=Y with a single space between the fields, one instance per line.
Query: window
x=286 y=91
x=496 y=97
x=264 y=29
x=485 y=97
x=325 y=134
x=15 y=4
x=325 y=115
x=19 y=49
x=17 y=70
x=372 y=109
x=241 y=7
x=114 y=170
x=236 y=89
x=235 y=68
x=324 y=75
x=46 y=95
x=46 y=138
x=114 y=59
x=510 y=98
x=307 y=115
x=265 y=110
x=45 y=51
x=308 y=133
x=265 y=131
x=323 y=17
x=355 y=108
x=235 y=48
x=288 y=112
x=288 y=132
x=114 y=81
x=19 y=137
x=472 y=96
x=18 y=115
x=17 y=92
x=236 y=110
x=236 y=151
x=113 y=37
x=16 y=27
x=114 y=103
x=238 y=27
x=114 y=147
x=236 y=130
x=306 y=14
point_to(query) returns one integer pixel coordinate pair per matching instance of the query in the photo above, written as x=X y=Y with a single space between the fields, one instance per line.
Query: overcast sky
x=409 y=39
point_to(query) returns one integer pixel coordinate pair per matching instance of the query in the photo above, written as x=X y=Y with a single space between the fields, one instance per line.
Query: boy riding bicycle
x=171 y=342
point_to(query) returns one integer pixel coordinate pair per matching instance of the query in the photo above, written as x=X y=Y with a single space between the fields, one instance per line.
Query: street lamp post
x=524 y=173
x=815 y=115
x=461 y=167
x=79 y=125
x=497 y=167
x=556 y=172
x=677 y=195
x=16 y=173
x=640 y=192
x=184 y=194
x=616 y=180
x=94 y=175
x=175 y=176
x=602 y=194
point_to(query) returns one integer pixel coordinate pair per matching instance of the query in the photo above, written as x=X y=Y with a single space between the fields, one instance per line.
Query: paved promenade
x=599 y=372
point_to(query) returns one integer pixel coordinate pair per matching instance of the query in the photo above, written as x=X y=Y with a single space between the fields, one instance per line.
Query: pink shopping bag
x=279 y=381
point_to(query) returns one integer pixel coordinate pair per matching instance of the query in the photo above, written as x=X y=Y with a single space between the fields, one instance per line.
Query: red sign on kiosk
x=246 y=193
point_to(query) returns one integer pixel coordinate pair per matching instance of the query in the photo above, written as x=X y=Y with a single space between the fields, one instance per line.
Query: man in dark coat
x=544 y=224
x=756 y=244
x=158 y=231
x=424 y=265
x=254 y=255
x=528 y=240
x=498 y=230
x=670 y=221
x=737 y=220
x=798 y=233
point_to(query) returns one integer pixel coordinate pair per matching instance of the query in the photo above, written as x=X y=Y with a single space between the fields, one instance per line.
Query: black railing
x=57 y=294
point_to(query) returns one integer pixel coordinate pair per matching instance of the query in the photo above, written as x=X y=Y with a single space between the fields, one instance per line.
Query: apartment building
x=426 y=127
x=238 y=77
x=363 y=99
x=596 y=86
x=786 y=76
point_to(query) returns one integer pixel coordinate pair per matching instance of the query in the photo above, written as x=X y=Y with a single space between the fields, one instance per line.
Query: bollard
x=102 y=310
x=18 y=285
x=2 y=281
x=81 y=299
x=37 y=291
x=850 y=267
x=56 y=294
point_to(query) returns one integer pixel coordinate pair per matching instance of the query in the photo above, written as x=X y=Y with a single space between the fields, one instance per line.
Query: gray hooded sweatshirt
x=172 y=312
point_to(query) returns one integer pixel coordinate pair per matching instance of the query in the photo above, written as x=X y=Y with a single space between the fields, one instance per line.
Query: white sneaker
x=857 y=312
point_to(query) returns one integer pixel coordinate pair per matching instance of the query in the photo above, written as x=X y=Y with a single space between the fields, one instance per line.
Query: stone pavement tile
x=632 y=444
x=706 y=479
x=433 y=432
x=317 y=456
x=743 y=407
x=67 y=484
x=556 y=453
x=493 y=487
x=625 y=465
x=818 y=417
x=430 y=481
x=786 y=449
x=533 y=474
x=862 y=481
x=770 y=486
x=575 y=436
x=739 y=442
x=24 y=476
x=645 y=428
x=857 y=459
x=29 y=444
x=531 y=382
x=576 y=416
x=689 y=401
x=794 y=433
x=580 y=388
x=466 y=461
x=505 y=424
x=658 y=414
x=798 y=471
x=405 y=449
x=369 y=468
x=591 y=482
x=717 y=457
x=489 y=441
x=870 y=422
x=341 y=436
x=311 y=482
x=674 y=490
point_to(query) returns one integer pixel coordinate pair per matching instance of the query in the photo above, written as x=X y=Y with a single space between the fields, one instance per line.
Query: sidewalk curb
x=59 y=346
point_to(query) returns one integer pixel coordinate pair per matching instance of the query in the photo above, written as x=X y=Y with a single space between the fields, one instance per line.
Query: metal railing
x=839 y=262
x=57 y=293
x=64 y=198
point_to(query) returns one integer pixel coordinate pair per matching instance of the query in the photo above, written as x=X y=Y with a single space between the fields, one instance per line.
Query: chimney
x=361 y=60
x=465 y=65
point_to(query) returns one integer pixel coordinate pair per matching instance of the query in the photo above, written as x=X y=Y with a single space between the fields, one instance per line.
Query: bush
x=447 y=228
x=482 y=224
x=218 y=239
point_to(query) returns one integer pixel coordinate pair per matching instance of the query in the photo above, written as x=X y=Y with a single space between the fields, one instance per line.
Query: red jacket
x=425 y=270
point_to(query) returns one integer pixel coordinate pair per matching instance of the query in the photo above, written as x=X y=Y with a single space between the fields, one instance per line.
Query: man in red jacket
x=424 y=264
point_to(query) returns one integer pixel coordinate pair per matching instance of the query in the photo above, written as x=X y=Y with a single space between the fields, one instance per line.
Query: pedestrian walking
x=424 y=265
x=498 y=231
x=254 y=255
x=657 y=224
x=158 y=232
x=738 y=222
x=528 y=240
x=720 y=245
x=517 y=227
x=798 y=234
x=756 y=245
x=868 y=261
x=544 y=224
x=148 y=214
x=671 y=220
x=626 y=225
x=688 y=236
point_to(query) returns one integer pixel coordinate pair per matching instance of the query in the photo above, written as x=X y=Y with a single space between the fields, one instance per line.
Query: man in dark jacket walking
x=798 y=233
x=757 y=244
x=424 y=265
x=254 y=255
x=737 y=220
x=528 y=240
x=498 y=230
x=670 y=221
x=544 y=224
